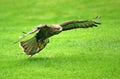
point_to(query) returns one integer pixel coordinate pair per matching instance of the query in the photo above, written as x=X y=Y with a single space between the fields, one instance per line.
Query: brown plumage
x=40 y=40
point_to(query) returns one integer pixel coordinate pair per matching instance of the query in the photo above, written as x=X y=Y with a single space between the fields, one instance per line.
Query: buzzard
x=41 y=39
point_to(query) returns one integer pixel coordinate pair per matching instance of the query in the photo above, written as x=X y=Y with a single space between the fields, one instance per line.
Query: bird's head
x=55 y=29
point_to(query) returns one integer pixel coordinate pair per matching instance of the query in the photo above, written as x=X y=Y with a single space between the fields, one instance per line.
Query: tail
x=30 y=46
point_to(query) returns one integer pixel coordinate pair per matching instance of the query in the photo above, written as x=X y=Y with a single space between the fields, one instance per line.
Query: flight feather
x=79 y=24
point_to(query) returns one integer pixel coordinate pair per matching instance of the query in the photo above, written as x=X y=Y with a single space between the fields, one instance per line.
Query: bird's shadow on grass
x=39 y=61
x=36 y=59
x=44 y=61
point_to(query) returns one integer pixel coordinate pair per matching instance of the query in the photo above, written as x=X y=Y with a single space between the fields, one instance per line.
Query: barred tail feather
x=30 y=46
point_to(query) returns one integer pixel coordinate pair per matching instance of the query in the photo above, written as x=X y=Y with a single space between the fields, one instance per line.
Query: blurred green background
x=92 y=53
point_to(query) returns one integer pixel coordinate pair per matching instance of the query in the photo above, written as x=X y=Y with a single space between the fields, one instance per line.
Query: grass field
x=92 y=53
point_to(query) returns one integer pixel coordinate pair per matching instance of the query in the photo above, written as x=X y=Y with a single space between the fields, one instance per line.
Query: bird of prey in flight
x=41 y=39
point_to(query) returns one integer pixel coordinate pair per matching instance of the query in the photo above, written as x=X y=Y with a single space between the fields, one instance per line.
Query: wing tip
x=96 y=19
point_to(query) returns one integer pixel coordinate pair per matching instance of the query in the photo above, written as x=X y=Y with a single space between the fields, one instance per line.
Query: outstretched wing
x=31 y=32
x=79 y=24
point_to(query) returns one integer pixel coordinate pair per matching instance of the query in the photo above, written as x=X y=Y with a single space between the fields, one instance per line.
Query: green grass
x=92 y=53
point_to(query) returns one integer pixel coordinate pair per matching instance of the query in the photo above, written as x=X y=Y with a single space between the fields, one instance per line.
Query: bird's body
x=41 y=39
